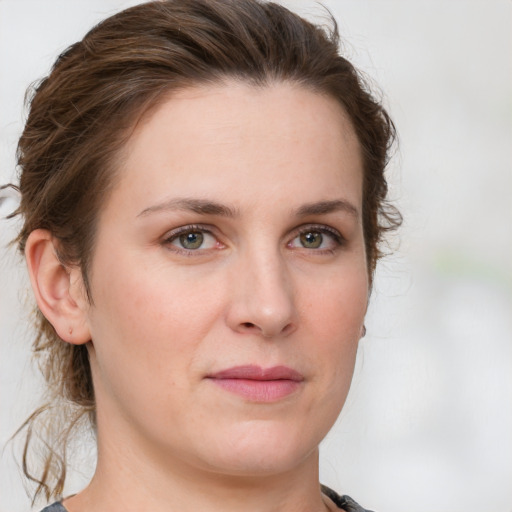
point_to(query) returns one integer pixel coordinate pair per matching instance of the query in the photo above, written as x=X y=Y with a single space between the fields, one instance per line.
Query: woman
x=203 y=197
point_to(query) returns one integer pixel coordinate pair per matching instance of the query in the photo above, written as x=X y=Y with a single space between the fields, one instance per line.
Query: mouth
x=258 y=384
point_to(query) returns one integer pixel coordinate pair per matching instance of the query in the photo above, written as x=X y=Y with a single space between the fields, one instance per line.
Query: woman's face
x=229 y=280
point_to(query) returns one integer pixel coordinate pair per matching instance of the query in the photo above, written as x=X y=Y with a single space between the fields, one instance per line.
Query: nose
x=262 y=298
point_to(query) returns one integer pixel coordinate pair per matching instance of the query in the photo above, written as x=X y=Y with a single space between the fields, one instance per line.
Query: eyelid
x=338 y=238
x=172 y=235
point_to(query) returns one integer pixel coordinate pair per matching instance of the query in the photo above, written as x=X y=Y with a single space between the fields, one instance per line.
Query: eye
x=192 y=238
x=311 y=239
x=317 y=237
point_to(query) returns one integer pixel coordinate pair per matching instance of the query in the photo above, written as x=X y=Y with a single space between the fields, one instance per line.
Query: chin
x=259 y=449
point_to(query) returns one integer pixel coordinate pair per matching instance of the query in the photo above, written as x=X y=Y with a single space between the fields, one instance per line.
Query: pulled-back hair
x=82 y=113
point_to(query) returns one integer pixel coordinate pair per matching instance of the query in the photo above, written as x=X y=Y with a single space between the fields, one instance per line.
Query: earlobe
x=54 y=288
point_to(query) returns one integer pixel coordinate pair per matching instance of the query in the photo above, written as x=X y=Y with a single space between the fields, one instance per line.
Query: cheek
x=146 y=331
x=137 y=294
x=152 y=318
x=337 y=307
x=334 y=314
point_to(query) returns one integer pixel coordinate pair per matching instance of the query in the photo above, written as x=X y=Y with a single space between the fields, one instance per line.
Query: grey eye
x=191 y=240
x=311 y=239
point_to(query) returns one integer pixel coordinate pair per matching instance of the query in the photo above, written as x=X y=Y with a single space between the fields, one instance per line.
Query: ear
x=59 y=291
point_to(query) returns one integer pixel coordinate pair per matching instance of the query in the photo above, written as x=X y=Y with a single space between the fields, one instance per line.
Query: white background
x=428 y=424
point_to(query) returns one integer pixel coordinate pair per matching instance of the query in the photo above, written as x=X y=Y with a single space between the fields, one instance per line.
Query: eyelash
x=337 y=237
x=183 y=230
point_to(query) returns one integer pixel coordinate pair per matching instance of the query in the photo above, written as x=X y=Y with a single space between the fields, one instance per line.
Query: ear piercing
x=70 y=331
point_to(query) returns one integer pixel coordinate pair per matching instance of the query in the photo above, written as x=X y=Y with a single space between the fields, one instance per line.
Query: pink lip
x=258 y=384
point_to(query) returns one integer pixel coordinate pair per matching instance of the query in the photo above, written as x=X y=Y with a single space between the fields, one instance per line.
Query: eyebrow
x=325 y=207
x=200 y=206
x=208 y=207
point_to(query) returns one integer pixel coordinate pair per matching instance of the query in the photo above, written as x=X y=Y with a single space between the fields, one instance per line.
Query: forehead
x=212 y=138
x=233 y=103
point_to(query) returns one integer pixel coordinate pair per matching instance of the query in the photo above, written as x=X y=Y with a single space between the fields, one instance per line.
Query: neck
x=127 y=480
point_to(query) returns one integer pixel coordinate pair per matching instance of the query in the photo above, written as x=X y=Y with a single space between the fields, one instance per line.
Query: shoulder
x=56 y=507
x=344 y=502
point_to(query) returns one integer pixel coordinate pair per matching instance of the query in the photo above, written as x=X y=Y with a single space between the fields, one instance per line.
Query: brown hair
x=81 y=114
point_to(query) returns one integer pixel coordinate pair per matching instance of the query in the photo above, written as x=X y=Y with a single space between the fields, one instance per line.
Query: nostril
x=248 y=325
x=288 y=329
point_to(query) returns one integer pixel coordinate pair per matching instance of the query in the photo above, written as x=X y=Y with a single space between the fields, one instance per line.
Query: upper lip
x=253 y=372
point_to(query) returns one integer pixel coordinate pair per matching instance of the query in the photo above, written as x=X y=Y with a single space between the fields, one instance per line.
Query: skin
x=164 y=318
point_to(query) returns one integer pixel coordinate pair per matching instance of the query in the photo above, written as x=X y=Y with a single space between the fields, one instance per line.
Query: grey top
x=344 y=502
x=56 y=507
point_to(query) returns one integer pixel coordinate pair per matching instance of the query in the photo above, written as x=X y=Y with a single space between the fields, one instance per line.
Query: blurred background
x=428 y=422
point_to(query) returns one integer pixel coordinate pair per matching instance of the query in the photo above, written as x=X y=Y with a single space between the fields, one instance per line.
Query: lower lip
x=259 y=390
